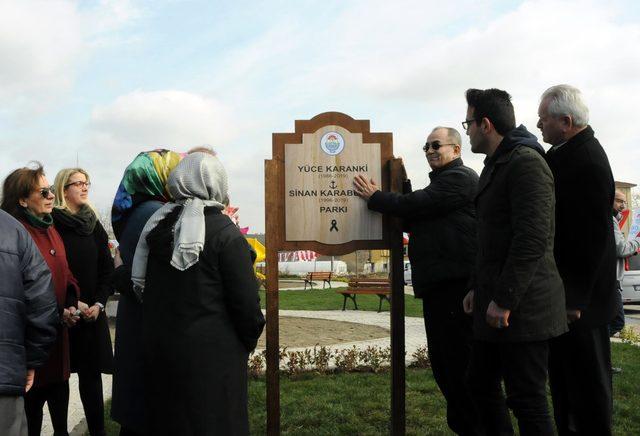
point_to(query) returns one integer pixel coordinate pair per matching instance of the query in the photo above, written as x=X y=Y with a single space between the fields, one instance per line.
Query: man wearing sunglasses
x=517 y=296
x=442 y=248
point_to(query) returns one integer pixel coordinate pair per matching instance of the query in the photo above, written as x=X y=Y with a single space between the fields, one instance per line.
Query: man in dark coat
x=28 y=322
x=580 y=361
x=517 y=298
x=441 y=219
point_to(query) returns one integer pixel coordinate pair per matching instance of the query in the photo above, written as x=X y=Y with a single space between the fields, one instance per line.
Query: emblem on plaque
x=332 y=143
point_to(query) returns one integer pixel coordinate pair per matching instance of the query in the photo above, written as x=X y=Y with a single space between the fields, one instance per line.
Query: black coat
x=515 y=265
x=91 y=264
x=585 y=244
x=199 y=327
x=441 y=222
x=128 y=395
x=28 y=307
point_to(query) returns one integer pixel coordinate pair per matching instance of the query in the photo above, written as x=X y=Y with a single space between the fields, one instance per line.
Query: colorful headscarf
x=199 y=181
x=144 y=179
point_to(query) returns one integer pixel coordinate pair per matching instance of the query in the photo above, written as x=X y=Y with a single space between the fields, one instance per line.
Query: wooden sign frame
x=275 y=241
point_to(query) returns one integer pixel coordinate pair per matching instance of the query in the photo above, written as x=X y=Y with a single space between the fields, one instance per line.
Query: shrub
x=256 y=364
x=298 y=361
x=372 y=358
x=629 y=336
x=321 y=357
x=347 y=359
x=421 y=356
x=375 y=357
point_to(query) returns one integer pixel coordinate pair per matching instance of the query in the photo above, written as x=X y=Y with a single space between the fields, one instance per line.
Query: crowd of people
x=516 y=290
x=179 y=248
x=507 y=248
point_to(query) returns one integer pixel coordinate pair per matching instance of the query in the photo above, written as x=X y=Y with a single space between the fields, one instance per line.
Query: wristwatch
x=100 y=306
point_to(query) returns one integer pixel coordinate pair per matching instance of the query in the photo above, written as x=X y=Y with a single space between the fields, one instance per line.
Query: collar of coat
x=518 y=137
x=573 y=143
x=457 y=162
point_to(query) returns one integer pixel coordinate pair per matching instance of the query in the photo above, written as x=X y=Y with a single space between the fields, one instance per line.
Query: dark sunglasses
x=46 y=191
x=435 y=145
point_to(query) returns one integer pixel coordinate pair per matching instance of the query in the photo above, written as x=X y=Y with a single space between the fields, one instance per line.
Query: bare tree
x=104 y=215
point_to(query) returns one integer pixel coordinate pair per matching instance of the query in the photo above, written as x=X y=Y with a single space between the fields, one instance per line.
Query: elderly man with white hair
x=585 y=253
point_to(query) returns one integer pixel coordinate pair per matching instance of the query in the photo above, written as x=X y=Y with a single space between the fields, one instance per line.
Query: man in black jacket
x=517 y=298
x=580 y=361
x=28 y=322
x=441 y=220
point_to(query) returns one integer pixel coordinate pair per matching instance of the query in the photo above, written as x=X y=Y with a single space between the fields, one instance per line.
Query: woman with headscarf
x=27 y=195
x=86 y=245
x=202 y=311
x=142 y=192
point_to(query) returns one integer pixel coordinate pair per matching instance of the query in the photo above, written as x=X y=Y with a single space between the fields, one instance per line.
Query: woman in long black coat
x=141 y=192
x=86 y=245
x=202 y=315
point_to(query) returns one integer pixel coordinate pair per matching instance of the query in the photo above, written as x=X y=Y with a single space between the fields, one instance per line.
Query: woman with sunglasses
x=86 y=245
x=28 y=196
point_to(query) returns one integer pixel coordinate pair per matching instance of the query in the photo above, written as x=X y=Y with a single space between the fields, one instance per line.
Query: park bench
x=379 y=287
x=324 y=276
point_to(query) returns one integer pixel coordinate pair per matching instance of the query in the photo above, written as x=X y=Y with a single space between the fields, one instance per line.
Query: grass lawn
x=327 y=299
x=358 y=403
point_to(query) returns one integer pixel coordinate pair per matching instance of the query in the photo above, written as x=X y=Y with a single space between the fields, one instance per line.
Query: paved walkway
x=76 y=424
x=298 y=285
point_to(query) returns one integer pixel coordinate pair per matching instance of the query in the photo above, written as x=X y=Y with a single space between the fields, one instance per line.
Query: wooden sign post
x=310 y=204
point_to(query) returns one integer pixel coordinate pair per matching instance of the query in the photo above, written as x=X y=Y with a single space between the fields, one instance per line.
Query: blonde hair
x=62 y=178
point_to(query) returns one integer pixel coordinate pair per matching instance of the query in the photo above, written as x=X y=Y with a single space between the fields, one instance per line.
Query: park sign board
x=310 y=204
x=320 y=200
x=310 y=197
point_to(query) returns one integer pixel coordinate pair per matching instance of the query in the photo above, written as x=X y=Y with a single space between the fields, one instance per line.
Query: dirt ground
x=301 y=332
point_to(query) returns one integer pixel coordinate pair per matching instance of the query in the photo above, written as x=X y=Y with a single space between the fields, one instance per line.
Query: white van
x=407 y=272
x=631 y=281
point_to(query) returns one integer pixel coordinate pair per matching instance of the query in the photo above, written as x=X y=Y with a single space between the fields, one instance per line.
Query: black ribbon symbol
x=334 y=226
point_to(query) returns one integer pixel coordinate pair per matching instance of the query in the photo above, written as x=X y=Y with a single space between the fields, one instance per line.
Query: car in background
x=407 y=272
x=631 y=282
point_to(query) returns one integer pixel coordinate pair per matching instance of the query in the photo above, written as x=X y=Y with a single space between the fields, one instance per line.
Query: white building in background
x=302 y=267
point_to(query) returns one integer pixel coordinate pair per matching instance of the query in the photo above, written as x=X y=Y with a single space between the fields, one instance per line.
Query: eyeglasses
x=466 y=123
x=79 y=184
x=435 y=145
x=46 y=191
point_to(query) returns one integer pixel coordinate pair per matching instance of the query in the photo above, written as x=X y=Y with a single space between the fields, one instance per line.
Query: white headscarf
x=198 y=181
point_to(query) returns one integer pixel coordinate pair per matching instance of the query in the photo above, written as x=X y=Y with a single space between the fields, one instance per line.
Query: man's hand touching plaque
x=364 y=189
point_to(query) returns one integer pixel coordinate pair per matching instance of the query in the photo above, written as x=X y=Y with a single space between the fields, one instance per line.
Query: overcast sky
x=100 y=81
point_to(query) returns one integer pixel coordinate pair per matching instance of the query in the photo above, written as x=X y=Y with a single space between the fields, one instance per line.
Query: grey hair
x=452 y=133
x=566 y=100
x=203 y=149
